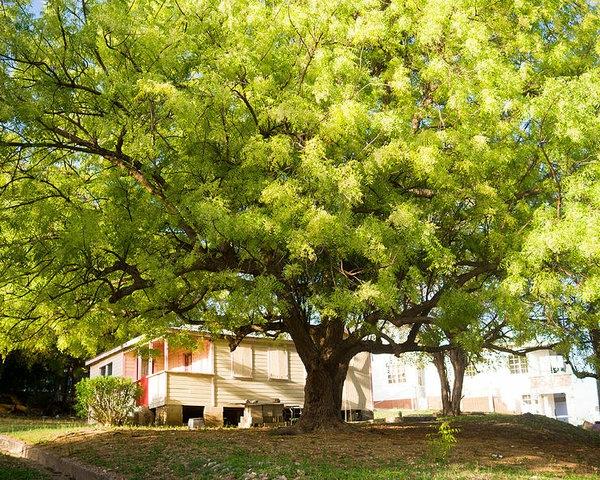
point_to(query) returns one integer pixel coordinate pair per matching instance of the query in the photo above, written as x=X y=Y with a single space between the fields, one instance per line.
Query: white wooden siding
x=157 y=389
x=357 y=388
x=130 y=365
x=202 y=359
x=232 y=390
x=117 y=367
x=190 y=388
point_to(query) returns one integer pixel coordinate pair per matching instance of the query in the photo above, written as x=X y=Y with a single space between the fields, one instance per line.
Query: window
x=557 y=364
x=530 y=402
x=471 y=371
x=187 y=361
x=396 y=372
x=517 y=364
x=278 y=364
x=106 y=370
x=144 y=367
x=242 y=362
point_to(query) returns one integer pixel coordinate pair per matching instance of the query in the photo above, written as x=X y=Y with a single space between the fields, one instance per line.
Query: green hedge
x=107 y=400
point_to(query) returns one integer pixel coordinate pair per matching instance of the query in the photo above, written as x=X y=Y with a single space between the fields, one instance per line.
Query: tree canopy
x=557 y=273
x=325 y=169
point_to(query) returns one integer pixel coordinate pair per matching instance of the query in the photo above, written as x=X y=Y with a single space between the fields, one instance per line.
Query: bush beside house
x=107 y=400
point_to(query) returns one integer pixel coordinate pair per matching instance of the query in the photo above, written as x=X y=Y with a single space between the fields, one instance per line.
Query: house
x=212 y=382
x=540 y=382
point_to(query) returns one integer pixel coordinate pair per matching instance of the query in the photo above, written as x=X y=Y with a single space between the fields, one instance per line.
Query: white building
x=539 y=382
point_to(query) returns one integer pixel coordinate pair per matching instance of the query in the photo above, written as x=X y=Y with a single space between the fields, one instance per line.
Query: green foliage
x=348 y=162
x=442 y=442
x=558 y=271
x=107 y=400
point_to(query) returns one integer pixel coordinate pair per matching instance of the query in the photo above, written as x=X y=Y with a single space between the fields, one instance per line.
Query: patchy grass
x=494 y=447
x=393 y=412
x=488 y=448
x=537 y=424
x=39 y=430
x=17 y=469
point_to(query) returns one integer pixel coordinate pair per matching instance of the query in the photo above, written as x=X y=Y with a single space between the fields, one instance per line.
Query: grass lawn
x=37 y=430
x=393 y=412
x=17 y=469
x=493 y=447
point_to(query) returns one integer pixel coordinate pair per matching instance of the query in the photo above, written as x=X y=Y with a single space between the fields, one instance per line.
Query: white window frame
x=557 y=364
x=106 y=370
x=530 y=403
x=518 y=364
x=395 y=371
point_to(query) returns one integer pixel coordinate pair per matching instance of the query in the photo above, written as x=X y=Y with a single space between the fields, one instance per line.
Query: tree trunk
x=458 y=358
x=439 y=360
x=595 y=341
x=325 y=353
x=323 y=397
x=595 y=338
x=451 y=397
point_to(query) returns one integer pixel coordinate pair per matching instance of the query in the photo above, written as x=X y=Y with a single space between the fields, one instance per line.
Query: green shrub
x=107 y=400
x=442 y=442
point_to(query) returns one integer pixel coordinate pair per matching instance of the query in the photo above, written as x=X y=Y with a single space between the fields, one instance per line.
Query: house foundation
x=213 y=416
x=169 y=415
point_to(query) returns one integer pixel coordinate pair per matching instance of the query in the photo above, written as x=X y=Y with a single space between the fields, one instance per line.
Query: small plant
x=442 y=442
x=107 y=400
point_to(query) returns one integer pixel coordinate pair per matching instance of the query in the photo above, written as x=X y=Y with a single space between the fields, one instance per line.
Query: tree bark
x=439 y=360
x=595 y=339
x=323 y=397
x=458 y=359
x=325 y=352
x=451 y=397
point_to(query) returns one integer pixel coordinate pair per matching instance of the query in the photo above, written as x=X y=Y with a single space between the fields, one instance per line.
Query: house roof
x=118 y=349
x=192 y=328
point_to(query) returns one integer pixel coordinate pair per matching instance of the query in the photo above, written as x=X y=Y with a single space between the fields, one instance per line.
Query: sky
x=36 y=6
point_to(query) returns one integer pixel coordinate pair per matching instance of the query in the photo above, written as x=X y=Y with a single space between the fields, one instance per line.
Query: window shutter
x=241 y=359
x=278 y=364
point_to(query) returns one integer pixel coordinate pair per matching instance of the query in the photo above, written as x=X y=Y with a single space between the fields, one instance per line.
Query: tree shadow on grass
x=485 y=449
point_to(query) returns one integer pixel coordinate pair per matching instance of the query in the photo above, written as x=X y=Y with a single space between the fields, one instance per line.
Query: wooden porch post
x=166 y=354
x=150 y=361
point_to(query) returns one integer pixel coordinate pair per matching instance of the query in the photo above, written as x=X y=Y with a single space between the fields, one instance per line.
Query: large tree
x=321 y=169
x=471 y=323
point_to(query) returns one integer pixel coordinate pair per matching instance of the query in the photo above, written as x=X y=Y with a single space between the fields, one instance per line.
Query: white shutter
x=241 y=359
x=278 y=364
